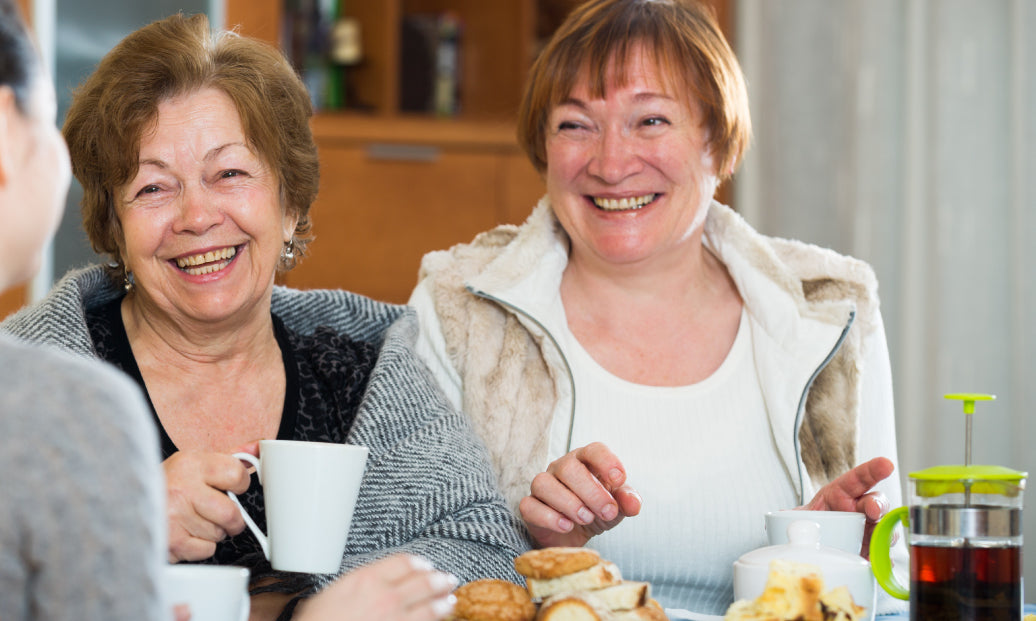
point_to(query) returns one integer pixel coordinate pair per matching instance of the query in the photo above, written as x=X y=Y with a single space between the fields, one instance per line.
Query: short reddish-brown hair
x=113 y=108
x=688 y=46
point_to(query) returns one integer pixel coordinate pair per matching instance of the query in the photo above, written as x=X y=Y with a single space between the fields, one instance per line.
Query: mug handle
x=264 y=542
x=881 y=556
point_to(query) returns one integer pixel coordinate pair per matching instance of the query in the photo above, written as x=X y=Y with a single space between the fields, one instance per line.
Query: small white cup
x=838 y=529
x=212 y=592
x=309 y=490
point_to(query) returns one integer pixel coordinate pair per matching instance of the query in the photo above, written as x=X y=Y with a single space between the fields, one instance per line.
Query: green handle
x=881 y=557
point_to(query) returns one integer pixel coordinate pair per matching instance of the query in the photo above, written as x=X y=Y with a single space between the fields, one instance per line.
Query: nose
x=199 y=210
x=614 y=157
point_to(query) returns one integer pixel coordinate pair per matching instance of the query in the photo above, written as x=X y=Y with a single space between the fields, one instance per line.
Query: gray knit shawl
x=428 y=488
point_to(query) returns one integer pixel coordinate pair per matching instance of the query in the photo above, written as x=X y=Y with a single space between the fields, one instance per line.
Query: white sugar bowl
x=836 y=566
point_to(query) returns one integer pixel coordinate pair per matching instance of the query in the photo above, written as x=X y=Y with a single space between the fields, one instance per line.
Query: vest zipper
x=802 y=404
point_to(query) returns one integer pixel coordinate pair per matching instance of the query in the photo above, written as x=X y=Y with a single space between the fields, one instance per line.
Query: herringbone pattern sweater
x=428 y=489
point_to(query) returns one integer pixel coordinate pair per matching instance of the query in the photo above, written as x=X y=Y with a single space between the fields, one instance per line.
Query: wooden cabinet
x=390 y=194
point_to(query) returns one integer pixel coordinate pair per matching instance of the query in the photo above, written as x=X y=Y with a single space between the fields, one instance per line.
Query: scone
x=794 y=592
x=649 y=612
x=588 y=606
x=555 y=562
x=493 y=600
x=838 y=605
x=625 y=595
x=601 y=575
x=569 y=608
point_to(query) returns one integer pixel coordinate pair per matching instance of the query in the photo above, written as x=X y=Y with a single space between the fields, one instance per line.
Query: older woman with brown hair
x=633 y=315
x=199 y=169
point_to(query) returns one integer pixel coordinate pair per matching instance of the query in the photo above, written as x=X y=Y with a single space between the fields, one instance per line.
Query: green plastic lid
x=969 y=399
x=977 y=479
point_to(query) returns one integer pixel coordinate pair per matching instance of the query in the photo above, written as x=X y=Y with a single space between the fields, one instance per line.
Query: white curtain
x=903 y=132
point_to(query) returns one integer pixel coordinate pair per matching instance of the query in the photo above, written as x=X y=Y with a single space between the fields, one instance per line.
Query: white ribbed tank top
x=702 y=457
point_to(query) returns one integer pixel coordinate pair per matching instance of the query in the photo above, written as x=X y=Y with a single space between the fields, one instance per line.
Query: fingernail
x=609 y=512
x=444 y=605
x=420 y=563
x=565 y=524
x=615 y=475
x=585 y=516
x=443 y=581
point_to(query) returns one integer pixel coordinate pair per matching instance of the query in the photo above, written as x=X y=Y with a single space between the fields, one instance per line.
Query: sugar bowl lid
x=803 y=547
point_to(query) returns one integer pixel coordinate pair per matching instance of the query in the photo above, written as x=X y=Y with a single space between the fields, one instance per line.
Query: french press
x=964 y=526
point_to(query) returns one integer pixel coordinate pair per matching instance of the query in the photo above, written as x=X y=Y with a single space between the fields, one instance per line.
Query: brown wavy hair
x=113 y=108
x=688 y=46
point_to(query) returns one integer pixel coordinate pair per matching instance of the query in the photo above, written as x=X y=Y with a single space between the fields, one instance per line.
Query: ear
x=8 y=115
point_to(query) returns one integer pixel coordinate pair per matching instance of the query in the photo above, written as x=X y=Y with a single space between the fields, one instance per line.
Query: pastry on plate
x=492 y=600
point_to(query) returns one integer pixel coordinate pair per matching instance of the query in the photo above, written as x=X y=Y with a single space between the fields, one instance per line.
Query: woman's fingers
x=425 y=587
x=582 y=494
x=560 y=496
x=398 y=588
x=548 y=527
x=590 y=473
x=199 y=511
x=845 y=492
x=874 y=505
x=629 y=501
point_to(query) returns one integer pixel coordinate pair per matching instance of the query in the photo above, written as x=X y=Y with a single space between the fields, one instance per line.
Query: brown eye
x=655 y=121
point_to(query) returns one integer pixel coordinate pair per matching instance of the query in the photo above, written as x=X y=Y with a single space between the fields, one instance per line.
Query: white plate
x=679 y=614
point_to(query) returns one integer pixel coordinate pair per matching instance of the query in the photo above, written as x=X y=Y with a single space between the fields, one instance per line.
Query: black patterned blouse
x=327 y=374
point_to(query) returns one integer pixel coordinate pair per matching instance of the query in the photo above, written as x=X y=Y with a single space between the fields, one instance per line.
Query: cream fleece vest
x=513 y=375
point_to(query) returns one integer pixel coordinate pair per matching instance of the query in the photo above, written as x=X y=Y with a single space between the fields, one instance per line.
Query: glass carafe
x=964 y=528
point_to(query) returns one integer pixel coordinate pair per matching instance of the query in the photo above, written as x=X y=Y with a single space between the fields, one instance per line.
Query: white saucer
x=679 y=614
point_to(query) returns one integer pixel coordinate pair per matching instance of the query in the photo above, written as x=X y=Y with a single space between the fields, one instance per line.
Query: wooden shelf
x=454 y=132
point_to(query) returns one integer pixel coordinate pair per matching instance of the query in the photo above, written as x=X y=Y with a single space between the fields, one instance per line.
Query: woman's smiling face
x=630 y=176
x=202 y=220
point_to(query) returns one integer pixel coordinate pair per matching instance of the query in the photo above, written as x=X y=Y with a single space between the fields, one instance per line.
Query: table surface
x=683 y=615
x=1029 y=610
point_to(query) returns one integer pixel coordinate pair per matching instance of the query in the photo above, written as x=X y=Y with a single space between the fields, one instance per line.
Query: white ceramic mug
x=838 y=529
x=309 y=490
x=212 y=592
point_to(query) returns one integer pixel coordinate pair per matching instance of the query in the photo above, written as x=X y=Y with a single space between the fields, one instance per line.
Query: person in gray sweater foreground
x=198 y=170
x=82 y=526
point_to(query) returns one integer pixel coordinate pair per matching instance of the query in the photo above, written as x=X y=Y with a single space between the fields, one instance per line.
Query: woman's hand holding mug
x=199 y=511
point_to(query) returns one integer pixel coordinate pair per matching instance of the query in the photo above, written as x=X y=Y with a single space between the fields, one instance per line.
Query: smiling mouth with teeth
x=623 y=204
x=207 y=262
